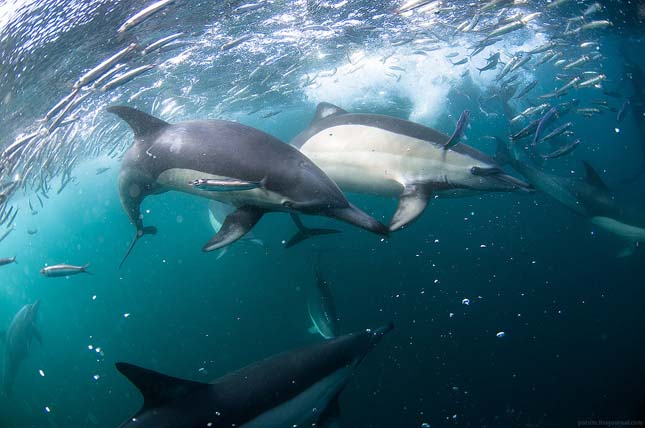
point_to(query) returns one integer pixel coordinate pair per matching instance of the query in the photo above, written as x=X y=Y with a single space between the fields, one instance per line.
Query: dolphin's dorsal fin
x=324 y=110
x=141 y=123
x=592 y=177
x=157 y=388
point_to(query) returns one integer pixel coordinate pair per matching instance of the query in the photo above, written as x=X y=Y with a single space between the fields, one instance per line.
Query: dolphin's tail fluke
x=149 y=230
x=355 y=216
x=305 y=232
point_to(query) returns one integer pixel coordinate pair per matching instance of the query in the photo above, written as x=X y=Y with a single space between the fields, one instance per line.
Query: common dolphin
x=17 y=341
x=294 y=389
x=386 y=156
x=217 y=213
x=590 y=198
x=172 y=156
x=321 y=306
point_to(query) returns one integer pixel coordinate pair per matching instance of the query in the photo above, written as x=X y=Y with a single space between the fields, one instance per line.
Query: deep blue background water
x=572 y=312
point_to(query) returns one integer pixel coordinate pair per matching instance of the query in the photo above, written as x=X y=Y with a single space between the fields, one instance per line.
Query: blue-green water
x=572 y=311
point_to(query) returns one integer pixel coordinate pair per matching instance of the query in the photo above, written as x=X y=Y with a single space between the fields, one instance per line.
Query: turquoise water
x=571 y=310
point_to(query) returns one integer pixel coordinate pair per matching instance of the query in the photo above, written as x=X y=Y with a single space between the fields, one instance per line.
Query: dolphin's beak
x=35 y=306
x=378 y=333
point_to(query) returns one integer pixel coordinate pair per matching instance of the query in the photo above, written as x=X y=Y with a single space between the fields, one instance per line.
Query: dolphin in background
x=217 y=212
x=298 y=388
x=589 y=197
x=321 y=306
x=391 y=157
x=17 y=342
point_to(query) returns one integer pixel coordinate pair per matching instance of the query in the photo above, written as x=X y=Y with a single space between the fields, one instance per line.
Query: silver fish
x=225 y=184
x=143 y=14
x=544 y=121
x=63 y=270
x=459 y=130
x=161 y=42
x=562 y=150
x=234 y=43
x=104 y=66
x=125 y=77
x=7 y=260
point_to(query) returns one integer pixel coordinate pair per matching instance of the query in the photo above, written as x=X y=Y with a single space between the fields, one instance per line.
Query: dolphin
x=294 y=389
x=321 y=306
x=168 y=156
x=217 y=213
x=589 y=197
x=17 y=341
x=386 y=156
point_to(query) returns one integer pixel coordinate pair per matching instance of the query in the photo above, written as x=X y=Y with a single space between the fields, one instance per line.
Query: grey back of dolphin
x=295 y=388
x=387 y=156
x=17 y=342
x=168 y=156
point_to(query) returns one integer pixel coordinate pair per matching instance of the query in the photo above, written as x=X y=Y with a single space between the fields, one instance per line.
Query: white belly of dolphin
x=305 y=408
x=179 y=179
x=633 y=233
x=373 y=160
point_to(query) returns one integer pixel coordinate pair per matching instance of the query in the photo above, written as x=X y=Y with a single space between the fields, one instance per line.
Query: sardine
x=97 y=71
x=233 y=43
x=562 y=150
x=161 y=42
x=225 y=184
x=142 y=15
x=126 y=77
x=63 y=270
x=543 y=123
x=459 y=130
x=557 y=131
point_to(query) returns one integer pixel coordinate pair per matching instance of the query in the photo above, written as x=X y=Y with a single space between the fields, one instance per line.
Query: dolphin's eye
x=287 y=204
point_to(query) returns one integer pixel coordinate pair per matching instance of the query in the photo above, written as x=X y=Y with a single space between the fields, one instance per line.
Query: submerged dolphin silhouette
x=17 y=341
x=272 y=176
x=296 y=388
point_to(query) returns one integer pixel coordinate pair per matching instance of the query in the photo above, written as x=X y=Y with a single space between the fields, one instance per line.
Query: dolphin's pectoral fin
x=412 y=202
x=36 y=334
x=304 y=232
x=313 y=330
x=236 y=225
x=330 y=417
x=149 y=230
x=157 y=388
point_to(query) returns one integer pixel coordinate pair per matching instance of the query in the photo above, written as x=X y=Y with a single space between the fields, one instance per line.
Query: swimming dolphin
x=294 y=389
x=386 y=156
x=272 y=176
x=590 y=198
x=17 y=341
x=321 y=306
x=217 y=213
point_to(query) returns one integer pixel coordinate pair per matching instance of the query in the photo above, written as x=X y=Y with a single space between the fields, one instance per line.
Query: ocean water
x=570 y=306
